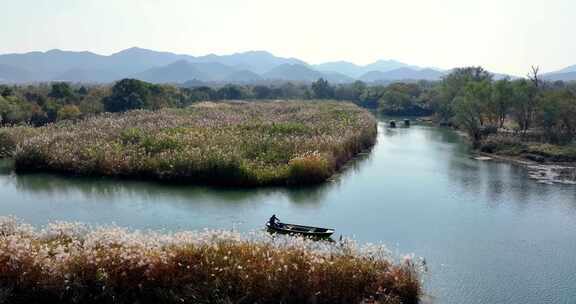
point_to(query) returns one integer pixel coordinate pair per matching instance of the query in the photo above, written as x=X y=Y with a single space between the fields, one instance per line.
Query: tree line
x=529 y=108
x=468 y=98
x=40 y=104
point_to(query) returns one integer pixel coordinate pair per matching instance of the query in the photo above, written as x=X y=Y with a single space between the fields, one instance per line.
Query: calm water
x=488 y=233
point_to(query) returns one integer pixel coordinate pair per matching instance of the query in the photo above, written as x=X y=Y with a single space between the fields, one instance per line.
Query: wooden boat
x=299 y=229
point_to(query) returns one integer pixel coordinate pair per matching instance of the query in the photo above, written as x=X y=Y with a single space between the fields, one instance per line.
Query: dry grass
x=70 y=263
x=11 y=136
x=241 y=144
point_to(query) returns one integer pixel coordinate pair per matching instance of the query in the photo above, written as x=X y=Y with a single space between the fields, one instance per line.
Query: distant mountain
x=373 y=76
x=183 y=71
x=343 y=67
x=255 y=61
x=334 y=77
x=298 y=72
x=292 y=72
x=214 y=71
x=568 y=69
x=410 y=73
x=66 y=65
x=47 y=65
x=135 y=60
x=90 y=67
x=402 y=74
x=10 y=74
x=356 y=71
x=84 y=75
x=177 y=72
x=242 y=76
x=564 y=76
x=166 y=67
x=387 y=65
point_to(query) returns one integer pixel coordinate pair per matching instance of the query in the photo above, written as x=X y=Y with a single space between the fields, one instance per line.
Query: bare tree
x=534 y=76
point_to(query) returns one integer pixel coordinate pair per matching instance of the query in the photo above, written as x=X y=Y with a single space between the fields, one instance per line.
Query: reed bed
x=237 y=143
x=75 y=263
x=11 y=136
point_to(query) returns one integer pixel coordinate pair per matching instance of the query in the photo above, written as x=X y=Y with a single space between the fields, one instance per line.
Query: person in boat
x=273 y=220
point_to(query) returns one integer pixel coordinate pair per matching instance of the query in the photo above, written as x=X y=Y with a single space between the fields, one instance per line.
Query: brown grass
x=239 y=144
x=68 y=263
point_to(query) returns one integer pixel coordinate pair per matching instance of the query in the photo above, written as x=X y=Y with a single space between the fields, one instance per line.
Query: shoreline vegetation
x=534 y=151
x=494 y=111
x=526 y=120
x=226 y=143
x=74 y=263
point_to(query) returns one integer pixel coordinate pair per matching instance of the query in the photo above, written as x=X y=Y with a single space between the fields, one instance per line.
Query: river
x=489 y=233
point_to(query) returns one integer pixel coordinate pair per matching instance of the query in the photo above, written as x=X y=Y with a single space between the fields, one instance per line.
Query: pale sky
x=506 y=36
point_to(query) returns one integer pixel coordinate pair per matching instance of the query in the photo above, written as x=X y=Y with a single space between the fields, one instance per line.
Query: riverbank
x=546 y=163
x=513 y=146
x=230 y=144
x=73 y=263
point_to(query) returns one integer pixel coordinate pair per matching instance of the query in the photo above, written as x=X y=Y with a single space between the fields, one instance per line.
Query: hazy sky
x=501 y=35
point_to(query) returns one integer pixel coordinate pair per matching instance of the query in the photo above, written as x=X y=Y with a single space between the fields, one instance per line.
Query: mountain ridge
x=166 y=67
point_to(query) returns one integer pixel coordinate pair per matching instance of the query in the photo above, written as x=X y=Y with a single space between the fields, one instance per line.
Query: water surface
x=489 y=233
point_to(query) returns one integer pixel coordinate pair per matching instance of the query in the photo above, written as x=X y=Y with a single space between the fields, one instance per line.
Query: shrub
x=554 y=152
x=503 y=144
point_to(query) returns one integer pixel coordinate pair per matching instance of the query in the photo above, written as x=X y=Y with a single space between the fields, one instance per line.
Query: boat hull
x=300 y=230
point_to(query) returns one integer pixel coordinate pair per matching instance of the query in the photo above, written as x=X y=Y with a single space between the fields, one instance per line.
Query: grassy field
x=72 y=263
x=239 y=144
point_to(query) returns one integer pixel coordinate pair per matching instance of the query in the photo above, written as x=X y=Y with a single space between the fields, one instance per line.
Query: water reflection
x=6 y=167
x=494 y=182
x=108 y=189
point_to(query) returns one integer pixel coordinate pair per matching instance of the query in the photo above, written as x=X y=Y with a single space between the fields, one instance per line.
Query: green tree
x=262 y=92
x=468 y=108
x=69 y=112
x=322 y=90
x=370 y=96
x=92 y=102
x=395 y=102
x=61 y=90
x=203 y=93
x=454 y=83
x=4 y=107
x=83 y=90
x=230 y=92
x=6 y=91
x=351 y=92
x=525 y=103
x=289 y=90
x=358 y=88
x=557 y=116
x=51 y=108
x=500 y=102
x=14 y=111
x=38 y=117
x=128 y=94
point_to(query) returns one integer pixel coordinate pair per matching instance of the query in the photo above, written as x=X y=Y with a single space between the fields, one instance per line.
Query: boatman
x=273 y=220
